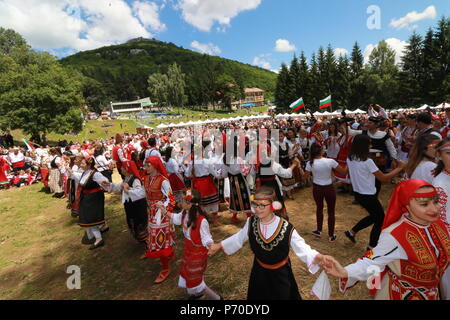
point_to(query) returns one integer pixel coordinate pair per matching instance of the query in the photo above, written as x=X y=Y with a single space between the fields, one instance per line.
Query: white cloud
x=283 y=45
x=412 y=17
x=260 y=62
x=202 y=14
x=340 y=52
x=207 y=48
x=396 y=44
x=148 y=13
x=79 y=24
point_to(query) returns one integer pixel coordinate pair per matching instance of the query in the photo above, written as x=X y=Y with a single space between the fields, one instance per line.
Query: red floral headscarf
x=156 y=162
x=401 y=196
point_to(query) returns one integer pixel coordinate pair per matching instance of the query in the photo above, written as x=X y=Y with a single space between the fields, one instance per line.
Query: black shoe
x=348 y=235
x=98 y=245
x=221 y=298
x=86 y=240
x=104 y=230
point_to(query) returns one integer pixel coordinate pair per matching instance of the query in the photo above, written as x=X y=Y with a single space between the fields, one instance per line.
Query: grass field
x=95 y=129
x=39 y=240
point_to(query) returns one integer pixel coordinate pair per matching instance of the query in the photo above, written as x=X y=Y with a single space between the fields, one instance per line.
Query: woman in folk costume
x=3 y=169
x=118 y=154
x=412 y=253
x=284 y=152
x=92 y=201
x=55 y=179
x=295 y=152
x=202 y=171
x=197 y=241
x=235 y=169
x=74 y=196
x=271 y=238
x=344 y=142
x=160 y=201
x=173 y=169
x=268 y=171
x=316 y=135
x=441 y=182
x=133 y=199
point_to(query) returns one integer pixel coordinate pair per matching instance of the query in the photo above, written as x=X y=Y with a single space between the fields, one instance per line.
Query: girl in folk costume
x=412 y=253
x=133 y=199
x=284 y=152
x=322 y=172
x=441 y=182
x=92 y=201
x=235 y=169
x=421 y=159
x=198 y=240
x=331 y=142
x=55 y=179
x=363 y=173
x=173 y=169
x=160 y=201
x=271 y=238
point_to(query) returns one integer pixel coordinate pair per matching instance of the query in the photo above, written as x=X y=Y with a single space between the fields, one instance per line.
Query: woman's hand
x=214 y=248
x=333 y=267
x=105 y=183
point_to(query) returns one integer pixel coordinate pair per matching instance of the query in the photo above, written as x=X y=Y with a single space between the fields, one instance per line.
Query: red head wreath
x=156 y=163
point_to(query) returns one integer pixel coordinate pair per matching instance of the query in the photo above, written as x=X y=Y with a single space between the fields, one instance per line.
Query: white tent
x=317 y=113
x=181 y=124
x=161 y=125
x=423 y=107
x=359 y=111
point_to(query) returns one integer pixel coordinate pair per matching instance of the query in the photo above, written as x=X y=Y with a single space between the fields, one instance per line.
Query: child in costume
x=198 y=240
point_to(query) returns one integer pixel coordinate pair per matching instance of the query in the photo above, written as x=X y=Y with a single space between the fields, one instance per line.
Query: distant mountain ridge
x=123 y=70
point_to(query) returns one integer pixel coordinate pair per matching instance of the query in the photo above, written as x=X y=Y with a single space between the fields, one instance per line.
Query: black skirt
x=92 y=209
x=137 y=218
x=278 y=284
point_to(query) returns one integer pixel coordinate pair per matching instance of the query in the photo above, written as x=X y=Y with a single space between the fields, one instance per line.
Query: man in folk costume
x=134 y=200
x=413 y=250
x=118 y=154
x=160 y=200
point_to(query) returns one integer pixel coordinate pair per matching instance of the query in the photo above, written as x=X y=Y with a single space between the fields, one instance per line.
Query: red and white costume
x=412 y=257
x=195 y=255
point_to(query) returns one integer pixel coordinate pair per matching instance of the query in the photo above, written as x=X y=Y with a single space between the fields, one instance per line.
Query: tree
x=358 y=88
x=295 y=80
x=38 y=95
x=282 y=89
x=441 y=72
x=412 y=72
x=10 y=40
x=176 y=86
x=228 y=90
x=381 y=78
x=158 y=84
x=342 y=82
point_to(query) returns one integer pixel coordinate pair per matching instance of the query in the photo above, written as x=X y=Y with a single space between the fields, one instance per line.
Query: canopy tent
x=424 y=107
x=161 y=126
x=360 y=111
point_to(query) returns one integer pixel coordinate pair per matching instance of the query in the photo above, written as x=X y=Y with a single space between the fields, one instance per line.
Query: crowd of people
x=180 y=177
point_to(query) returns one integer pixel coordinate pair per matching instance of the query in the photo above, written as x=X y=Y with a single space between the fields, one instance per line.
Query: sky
x=265 y=33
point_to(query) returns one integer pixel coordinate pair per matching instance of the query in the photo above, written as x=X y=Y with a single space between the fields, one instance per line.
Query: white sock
x=89 y=234
x=210 y=294
x=97 y=235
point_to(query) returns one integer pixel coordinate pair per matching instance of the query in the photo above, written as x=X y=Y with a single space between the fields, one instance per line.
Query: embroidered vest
x=153 y=188
x=422 y=272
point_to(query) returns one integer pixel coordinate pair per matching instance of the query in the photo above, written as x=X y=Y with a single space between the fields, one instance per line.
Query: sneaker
x=98 y=245
x=317 y=233
x=332 y=238
x=349 y=235
x=86 y=240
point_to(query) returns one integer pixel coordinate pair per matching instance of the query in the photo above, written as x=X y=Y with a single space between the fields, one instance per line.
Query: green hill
x=121 y=71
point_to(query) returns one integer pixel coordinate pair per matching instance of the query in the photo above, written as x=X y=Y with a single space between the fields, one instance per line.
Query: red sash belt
x=18 y=164
x=273 y=266
x=87 y=191
x=267 y=178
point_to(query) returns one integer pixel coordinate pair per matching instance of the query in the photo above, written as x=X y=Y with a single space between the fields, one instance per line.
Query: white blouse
x=302 y=250
x=205 y=233
x=136 y=191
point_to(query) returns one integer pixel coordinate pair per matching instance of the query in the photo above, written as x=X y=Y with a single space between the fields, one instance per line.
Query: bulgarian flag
x=29 y=145
x=297 y=104
x=325 y=103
